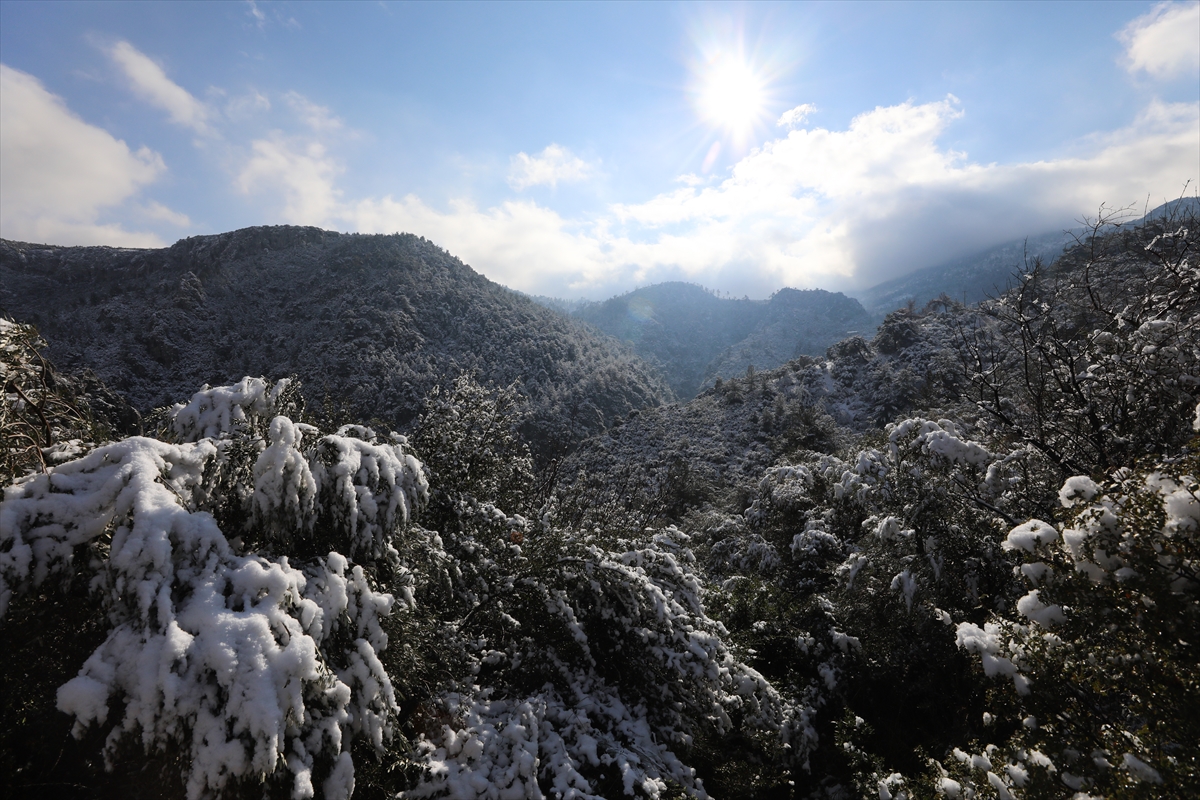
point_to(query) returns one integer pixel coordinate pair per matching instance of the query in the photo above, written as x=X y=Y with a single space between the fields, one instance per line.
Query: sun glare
x=731 y=96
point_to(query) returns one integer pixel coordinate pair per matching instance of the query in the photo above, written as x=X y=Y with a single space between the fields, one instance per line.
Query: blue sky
x=580 y=149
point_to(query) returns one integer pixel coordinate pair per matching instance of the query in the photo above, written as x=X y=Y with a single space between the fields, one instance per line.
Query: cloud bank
x=61 y=174
x=814 y=207
x=817 y=207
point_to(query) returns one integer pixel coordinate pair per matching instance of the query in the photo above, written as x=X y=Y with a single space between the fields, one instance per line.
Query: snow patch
x=1028 y=535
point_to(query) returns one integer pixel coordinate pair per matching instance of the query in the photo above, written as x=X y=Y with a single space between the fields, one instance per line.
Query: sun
x=731 y=95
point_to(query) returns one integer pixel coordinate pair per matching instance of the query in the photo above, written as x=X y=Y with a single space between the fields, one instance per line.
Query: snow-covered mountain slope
x=712 y=450
x=987 y=273
x=936 y=361
x=368 y=323
x=968 y=279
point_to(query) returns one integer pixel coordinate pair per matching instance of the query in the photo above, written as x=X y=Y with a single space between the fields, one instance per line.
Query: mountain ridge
x=695 y=336
x=343 y=312
x=986 y=273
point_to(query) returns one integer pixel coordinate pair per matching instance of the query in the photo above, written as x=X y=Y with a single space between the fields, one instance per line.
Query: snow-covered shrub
x=468 y=435
x=1102 y=645
x=44 y=419
x=594 y=668
x=1086 y=647
x=881 y=551
x=598 y=670
x=1094 y=361
x=253 y=664
x=919 y=519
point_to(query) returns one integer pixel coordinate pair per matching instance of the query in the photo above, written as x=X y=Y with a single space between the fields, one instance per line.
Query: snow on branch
x=214 y=412
x=249 y=663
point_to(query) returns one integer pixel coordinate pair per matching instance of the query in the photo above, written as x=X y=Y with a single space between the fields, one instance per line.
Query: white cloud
x=319 y=118
x=151 y=83
x=816 y=207
x=301 y=172
x=60 y=173
x=836 y=209
x=260 y=19
x=160 y=213
x=247 y=106
x=797 y=116
x=1164 y=42
x=822 y=207
x=547 y=168
x=518 y=243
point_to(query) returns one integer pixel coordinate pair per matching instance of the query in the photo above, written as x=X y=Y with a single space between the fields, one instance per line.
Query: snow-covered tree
x=1095 y=669
x=876 y=584
x=592 y=667
x=1094 y=360
x=45 y=418
x=270 y=617
x=255 y=665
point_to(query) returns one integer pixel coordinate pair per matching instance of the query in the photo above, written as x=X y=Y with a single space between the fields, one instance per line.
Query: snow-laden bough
x=247 y=662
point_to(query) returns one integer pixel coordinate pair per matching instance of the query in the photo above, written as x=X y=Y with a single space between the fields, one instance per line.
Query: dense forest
x=953 y=557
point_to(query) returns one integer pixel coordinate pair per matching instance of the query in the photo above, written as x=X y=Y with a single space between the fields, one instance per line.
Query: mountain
x=793 y=323
x=714 y=448
x=969 y=279
x=834 y=578
x=1180 y=208
x=989 y=272
x=678 y=327
x=694 y=336
x=368 y=323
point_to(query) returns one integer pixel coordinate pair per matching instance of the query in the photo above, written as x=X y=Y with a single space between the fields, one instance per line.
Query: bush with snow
x=1102 y=644
x=592 y=665
x=250 y=570
x=877 y=551
x=252 y=663
x=268 y=602
x=45 y=417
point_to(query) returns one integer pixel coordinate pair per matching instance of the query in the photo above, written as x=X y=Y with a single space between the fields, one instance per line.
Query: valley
x=671 y=544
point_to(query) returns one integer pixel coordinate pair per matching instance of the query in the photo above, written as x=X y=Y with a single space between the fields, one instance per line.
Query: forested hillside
x=694 y=336
x=956 y=558
x=368 y=323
